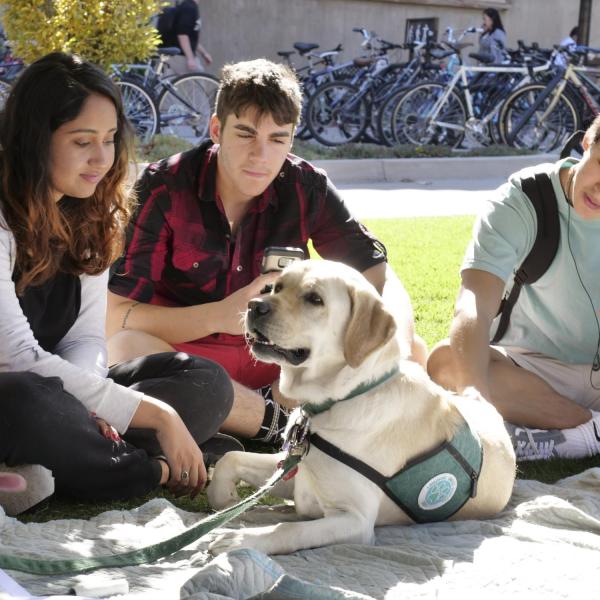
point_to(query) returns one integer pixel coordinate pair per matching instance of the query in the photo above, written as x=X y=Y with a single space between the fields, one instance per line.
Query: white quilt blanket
x=546 y=545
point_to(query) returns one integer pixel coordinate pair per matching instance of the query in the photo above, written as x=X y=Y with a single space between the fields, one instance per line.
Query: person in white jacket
x=63 y=207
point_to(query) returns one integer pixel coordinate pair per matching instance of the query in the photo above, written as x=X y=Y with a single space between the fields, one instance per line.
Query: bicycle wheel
x=139 y=109
x=387 y=135
x=186 y=105
x=538 y=132
x=388 y=102
x=336 y=115
x=302 y=132
x=412 y=118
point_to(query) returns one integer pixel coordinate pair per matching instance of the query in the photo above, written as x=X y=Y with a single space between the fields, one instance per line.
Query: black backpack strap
x=541 y=194
x=573 y=143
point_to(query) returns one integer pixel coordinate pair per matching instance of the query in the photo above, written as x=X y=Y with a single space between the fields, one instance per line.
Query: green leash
x=156 y=551
x=296 y=446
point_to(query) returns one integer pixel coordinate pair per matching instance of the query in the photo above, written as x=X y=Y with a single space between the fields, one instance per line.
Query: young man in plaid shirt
x=204 y=219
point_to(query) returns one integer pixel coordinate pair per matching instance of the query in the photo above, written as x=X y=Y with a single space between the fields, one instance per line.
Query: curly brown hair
x=75 y=235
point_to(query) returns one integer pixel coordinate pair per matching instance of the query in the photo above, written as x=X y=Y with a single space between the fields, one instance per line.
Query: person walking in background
x=493 y=39
x=181 y=29
x=63 y=207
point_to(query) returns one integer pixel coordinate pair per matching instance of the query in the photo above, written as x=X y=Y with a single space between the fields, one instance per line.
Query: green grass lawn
x=426 y=254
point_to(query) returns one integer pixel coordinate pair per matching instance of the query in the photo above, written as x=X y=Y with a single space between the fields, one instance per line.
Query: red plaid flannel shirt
x=180 y=251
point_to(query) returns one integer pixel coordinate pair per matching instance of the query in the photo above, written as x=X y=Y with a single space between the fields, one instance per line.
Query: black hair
x=494 y=15
x=79 y=236
x=270 y=88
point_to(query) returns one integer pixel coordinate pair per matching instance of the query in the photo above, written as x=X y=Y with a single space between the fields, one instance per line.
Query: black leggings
x=41 y=423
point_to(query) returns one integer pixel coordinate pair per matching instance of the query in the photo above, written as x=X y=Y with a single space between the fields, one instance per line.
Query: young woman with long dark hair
x=493 y=39
x=63 y=207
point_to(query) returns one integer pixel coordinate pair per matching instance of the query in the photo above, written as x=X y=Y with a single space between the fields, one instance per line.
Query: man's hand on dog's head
x=235 y=305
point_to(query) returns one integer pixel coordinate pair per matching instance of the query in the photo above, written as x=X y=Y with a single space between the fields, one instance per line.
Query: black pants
x=41 y=423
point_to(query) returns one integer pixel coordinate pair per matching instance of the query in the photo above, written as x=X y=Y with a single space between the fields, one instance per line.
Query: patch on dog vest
x=437 y=491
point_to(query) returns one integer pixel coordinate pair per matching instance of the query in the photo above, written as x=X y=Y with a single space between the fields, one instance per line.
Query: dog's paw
x=231 y=540
x=222 y=493
x=263 y=539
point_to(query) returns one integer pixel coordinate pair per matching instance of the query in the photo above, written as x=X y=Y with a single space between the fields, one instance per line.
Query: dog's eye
x=278 y=287
x=314 y=298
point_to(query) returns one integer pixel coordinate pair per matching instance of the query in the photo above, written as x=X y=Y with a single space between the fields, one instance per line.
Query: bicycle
x=424 y=65
x=310 y=75
x=443 y=114
x=340 y=111
x=542 y=117
x=139 y=108
x=183 y=104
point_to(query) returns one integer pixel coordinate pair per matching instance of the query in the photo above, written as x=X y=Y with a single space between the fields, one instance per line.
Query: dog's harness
x=431 y=487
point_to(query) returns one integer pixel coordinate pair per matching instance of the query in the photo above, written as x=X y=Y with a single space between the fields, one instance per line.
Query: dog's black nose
x=259 y=307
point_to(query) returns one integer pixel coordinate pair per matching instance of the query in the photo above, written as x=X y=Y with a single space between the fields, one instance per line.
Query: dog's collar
x=315 y=409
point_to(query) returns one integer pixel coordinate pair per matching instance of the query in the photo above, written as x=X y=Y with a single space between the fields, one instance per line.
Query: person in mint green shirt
x=544 y=377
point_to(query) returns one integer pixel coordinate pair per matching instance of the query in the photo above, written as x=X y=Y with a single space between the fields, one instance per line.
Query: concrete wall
x=242 y=29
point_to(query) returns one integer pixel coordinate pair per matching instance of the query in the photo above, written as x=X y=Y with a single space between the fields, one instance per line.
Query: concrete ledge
x=409 y=169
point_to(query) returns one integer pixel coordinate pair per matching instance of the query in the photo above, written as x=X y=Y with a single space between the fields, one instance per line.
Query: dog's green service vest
x=431 y=487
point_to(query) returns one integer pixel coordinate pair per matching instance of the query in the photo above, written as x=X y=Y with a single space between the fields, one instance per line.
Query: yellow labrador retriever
x=388 y=446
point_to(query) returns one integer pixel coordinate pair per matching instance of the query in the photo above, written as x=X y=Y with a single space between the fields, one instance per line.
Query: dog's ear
x=370 y=326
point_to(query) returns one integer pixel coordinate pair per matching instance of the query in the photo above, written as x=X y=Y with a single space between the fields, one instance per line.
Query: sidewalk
x=420 y=198
x=406 y=170
x=418 y=187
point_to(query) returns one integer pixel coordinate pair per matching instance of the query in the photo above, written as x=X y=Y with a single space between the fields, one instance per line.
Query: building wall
x=242 y=29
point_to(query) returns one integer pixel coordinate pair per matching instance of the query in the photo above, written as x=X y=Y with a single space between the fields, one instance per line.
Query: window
x=421 y=30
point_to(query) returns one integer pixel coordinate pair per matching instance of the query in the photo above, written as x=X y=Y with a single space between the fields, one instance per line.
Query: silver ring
x=185 y=475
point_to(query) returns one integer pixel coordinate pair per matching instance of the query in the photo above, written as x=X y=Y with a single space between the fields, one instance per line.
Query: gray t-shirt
x=493 y=43
x=554 y=315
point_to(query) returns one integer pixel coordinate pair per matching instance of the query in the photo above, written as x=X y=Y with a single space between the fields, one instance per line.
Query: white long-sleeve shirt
x=79 y=358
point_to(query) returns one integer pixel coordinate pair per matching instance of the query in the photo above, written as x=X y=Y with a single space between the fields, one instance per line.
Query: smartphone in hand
x=276 y=258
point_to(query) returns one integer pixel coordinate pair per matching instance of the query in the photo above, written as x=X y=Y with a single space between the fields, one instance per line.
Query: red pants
x=233 y=354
